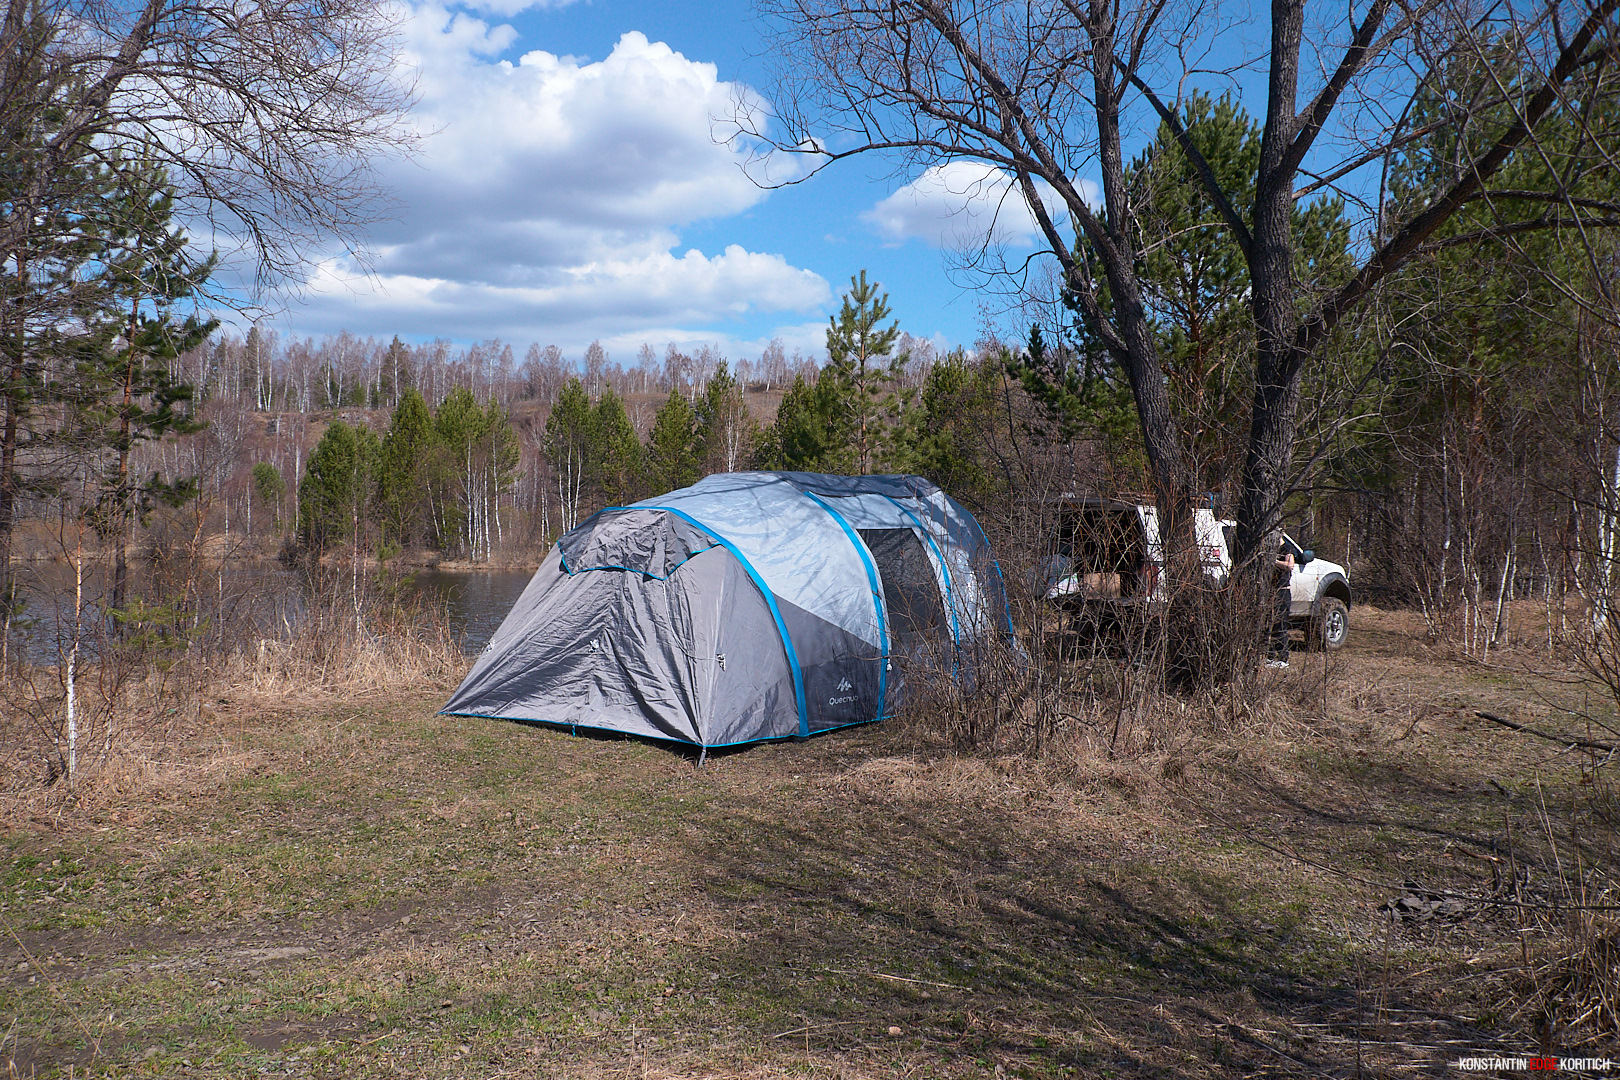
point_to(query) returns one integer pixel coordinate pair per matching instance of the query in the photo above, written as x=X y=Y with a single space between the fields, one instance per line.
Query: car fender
x=1330 y=584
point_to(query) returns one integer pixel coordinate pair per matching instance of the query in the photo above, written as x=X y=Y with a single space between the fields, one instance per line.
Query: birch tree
x=726 y=432
x=568 y=439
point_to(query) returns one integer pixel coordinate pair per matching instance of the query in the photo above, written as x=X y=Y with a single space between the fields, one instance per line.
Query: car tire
x=1331 y=626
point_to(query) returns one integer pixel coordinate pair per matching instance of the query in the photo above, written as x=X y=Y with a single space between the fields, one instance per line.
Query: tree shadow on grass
x=1028 y=964
x=982 y=939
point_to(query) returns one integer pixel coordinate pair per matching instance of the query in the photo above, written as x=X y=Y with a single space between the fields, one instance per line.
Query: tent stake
x=703 y=756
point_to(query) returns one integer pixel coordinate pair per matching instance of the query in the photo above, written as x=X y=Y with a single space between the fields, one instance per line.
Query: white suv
x=1109 y=550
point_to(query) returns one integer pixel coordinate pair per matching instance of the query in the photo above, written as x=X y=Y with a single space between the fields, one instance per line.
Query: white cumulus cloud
x=966 y=204
x=548 y=197
x=618 y=297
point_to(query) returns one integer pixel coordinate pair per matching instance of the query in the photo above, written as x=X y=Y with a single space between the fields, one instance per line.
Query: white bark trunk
x=1608 y=525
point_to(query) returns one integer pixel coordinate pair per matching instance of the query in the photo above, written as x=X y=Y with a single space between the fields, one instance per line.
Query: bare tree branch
x=269 y=117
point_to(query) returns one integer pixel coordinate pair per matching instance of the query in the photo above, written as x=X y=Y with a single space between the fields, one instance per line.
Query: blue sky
x=570 y=189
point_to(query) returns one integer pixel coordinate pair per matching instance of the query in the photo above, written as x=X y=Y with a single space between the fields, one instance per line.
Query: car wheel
x=1331 y=626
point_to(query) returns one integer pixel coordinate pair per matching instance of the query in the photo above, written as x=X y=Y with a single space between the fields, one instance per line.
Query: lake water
x=475 y=600
x=270 y=597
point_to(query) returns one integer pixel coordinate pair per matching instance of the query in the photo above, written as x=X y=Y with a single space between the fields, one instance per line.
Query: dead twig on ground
x=894 y=978
x=1565 y=740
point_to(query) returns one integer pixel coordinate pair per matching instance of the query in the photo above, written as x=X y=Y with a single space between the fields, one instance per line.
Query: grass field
x=319 y=887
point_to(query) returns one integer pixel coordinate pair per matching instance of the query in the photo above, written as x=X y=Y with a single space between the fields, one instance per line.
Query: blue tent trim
x=877 y=599
x=770 y=601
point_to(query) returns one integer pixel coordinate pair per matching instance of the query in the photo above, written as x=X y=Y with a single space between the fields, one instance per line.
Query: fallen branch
x=893 y=978
x=812 y=1027
x=1586 y=744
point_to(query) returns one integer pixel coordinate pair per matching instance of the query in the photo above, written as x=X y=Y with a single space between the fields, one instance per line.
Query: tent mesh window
x=916 y=611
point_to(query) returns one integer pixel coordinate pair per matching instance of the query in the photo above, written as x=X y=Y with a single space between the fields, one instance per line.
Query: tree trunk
x=1136 y=350
x=1271 y=271
x=121 y=492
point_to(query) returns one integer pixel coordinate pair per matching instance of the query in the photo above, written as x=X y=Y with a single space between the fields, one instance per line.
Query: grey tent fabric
x=748 y=606
x=911 y=593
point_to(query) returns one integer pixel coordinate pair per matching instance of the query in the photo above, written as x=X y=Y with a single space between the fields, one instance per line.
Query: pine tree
x=1081 y=395
x=726 y=433
x=616 y=463
x=47 y=273
x=672 y=446
x=335 y=496
x=269 y=487
x=254 y=378
x=404 y=492
x=569 y=444
x=124 y=390
x=949 y=443
x=811 y=429
x=863 y=373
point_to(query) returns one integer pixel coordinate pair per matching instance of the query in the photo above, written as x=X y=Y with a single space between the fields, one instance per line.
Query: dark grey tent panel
x=911 y=593
x=650 y=542
x=748 y=606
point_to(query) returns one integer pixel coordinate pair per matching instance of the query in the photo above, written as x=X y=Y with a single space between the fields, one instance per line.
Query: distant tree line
x=264 y=371
x=466 y=477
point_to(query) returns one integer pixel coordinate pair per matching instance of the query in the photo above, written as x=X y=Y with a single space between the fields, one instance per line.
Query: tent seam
x=770 y=602
x=877 y=597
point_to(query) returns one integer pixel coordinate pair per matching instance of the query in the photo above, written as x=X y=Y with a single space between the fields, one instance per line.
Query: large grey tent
x=749 y=606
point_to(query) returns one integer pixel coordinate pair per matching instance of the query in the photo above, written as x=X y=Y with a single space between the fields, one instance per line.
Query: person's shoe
x=1277 y=664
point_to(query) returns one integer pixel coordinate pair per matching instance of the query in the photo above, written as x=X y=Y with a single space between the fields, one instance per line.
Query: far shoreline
x=413 y=561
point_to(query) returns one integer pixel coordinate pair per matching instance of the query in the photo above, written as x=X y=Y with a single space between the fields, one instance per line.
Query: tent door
x=916 y=612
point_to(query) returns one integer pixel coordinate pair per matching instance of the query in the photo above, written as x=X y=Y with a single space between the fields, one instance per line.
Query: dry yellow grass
x=325 y=881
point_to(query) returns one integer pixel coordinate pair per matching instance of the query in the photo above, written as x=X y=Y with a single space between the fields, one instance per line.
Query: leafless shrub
x=135 y=697
x=1575 y=988
x=1087 y=687
x=1565 y=988
x=990 y=699
x=1566 y=985
x=149 y=675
